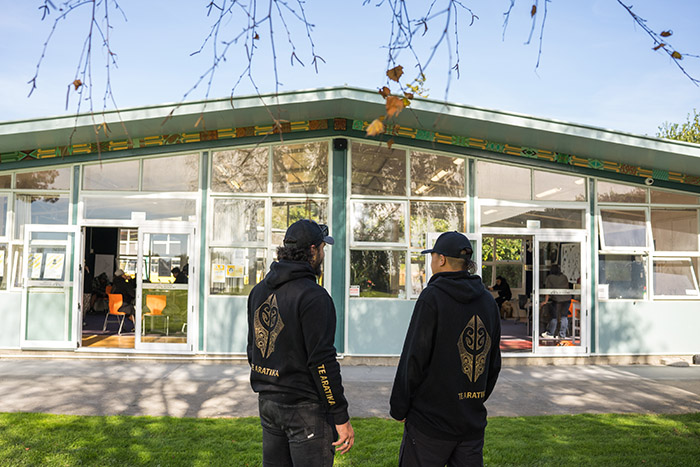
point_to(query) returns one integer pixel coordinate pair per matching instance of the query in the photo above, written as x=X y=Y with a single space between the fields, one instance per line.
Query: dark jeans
x=419 y=450
x=296 y=434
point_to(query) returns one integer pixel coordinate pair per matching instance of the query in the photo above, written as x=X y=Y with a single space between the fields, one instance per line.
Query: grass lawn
x=599 y=440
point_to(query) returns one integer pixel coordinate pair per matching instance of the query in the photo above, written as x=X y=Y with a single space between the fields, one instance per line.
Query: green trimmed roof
x=492 y=128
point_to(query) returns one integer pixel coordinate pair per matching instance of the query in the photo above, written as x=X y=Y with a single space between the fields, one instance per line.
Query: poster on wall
x=35 y=265
x=54 y=266
x=571 y=261
x=218 y=273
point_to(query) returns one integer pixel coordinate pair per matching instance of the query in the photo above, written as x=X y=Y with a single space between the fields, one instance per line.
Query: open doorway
x=106 y=249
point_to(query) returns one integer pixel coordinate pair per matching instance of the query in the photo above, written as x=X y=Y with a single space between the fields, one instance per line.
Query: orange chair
x=115 y=302
x=155 y=303
x=108 y=289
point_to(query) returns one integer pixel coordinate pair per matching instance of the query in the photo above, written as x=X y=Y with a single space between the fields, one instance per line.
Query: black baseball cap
x=451 y=244
x=304 y=233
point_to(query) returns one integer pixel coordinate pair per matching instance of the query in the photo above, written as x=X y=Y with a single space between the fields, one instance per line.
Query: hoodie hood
x=459 y=285
x=284 y=271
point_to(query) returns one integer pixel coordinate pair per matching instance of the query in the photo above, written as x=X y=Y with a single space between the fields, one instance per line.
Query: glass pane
x=500 y=181
x=616 y=193
x=378 y=222
x=623 y=276
x=240 y=170
x=3 y=215
x=509 y=249
x=239 y=220
x=434 y=217
x=674 y=230
x=54 y=179
x=674 y=278
x=418 y=281
x=153 y=209
x=558 y=187
x=165 y=252
x=624 y=228
x=164 y=315
x=114 y=176
x=378 y=273
x=5 y=181
x=666 y=197
x=287 y=212
x=512 y=273
x=434 y=175
x=300 y=168
x=487 y=248
x=378 y=170
x=517 y=217
x=128 y=242
x=235 y=271
x=174 y=173
x=52 y=210
x=487 y=274
x=4 y=263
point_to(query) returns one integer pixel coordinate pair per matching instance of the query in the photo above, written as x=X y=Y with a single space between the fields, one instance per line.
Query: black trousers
x=420 y=450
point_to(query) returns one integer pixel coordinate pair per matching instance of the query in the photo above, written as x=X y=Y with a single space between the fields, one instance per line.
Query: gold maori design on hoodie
x=268 y=325
x=474 y=344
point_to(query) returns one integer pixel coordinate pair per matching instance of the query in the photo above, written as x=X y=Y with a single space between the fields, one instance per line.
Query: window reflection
x=117 y=176
x=378 y=222
x=434 y=217
x=235 y=271
x=616 y=193
x=498 y=181
x=54 y=179
x=517 y=217
x=174 y=173
x=623 y=276
x=240 y=170
x=300 y=168
x=33 y=209
x=239 y=220
x=674 y=277
x=674 y=230
x=379 y=274
x=559 y=187
x=435 y=175
x=624 y=228
x=287 y=212
x=378 y=170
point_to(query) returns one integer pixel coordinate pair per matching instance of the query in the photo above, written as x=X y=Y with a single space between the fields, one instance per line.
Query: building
x=210 y=187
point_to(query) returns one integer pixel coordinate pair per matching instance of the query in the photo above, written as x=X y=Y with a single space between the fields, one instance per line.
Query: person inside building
x=123 y=285
x=449 y=364
x=503 y=289
x=559 y=320
x=291 y=352
x=180 y=277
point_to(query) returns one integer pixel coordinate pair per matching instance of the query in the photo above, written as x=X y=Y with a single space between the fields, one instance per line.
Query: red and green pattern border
x=341 y=124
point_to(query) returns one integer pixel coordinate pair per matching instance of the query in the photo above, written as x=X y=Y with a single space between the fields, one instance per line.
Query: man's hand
x=346 y=437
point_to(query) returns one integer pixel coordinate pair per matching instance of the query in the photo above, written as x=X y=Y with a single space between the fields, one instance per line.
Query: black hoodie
x=450 y=359
x=291 y=334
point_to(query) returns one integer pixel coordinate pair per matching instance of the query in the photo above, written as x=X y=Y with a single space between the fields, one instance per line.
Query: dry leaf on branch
x=385 y=91
x=666 y=33
x=677 y=55
x=533 y=12
x=77 y=83
x=395 y=73
x=394 y=106
x=659 y=46
x=375 y=128
x=390 y=143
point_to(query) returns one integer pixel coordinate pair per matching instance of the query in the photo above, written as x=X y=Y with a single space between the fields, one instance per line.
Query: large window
x=649 y=243
x=256 y=193
x=397 y=197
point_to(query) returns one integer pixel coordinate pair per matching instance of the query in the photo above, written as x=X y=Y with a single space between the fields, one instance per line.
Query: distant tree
x=688 y=131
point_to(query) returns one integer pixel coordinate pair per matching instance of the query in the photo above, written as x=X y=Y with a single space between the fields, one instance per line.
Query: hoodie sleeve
x=318 y=325
x=415 y=357
x=495 y=359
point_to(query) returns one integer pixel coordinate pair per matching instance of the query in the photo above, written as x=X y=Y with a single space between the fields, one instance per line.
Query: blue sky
x=597 y=67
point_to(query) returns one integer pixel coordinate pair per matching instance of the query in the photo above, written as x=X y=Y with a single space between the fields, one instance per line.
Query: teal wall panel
x=46 y=316
x=10 y=315
x=377 y=326
x=226 y=324
x=662 y=327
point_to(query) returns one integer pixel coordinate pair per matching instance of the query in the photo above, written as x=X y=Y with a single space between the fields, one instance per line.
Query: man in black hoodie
x=291 y=352
x=449 y=363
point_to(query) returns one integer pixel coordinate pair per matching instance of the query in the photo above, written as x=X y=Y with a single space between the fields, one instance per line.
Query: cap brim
x=328 y=240
x=426 y=251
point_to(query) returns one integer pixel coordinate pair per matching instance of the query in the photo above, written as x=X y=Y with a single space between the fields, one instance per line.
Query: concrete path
x=142 y=387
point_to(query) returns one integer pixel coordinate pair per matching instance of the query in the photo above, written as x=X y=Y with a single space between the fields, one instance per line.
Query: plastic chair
x=575 y=316
x=115 y=302
x=155 y=303
x=108 y=289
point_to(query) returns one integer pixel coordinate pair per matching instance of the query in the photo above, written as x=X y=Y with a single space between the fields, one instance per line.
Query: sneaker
x=546 y=335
